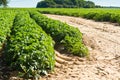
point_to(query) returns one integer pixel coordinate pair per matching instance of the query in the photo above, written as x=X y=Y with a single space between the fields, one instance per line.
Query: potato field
x=28 y=40
x=59 y=44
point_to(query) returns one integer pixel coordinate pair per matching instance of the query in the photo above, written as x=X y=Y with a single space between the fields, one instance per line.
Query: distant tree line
x=65 y=4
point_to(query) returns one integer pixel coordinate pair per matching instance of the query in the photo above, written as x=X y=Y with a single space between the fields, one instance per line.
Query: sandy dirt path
x=103 y=41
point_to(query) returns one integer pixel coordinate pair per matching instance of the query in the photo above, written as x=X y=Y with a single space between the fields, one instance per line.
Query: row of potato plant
x=29 y=49
x=6 y=20
x=103 y=16
x=67 y=36
x=97 y=14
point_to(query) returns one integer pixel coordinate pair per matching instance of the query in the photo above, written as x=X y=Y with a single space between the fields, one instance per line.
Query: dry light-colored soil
x=103 y=41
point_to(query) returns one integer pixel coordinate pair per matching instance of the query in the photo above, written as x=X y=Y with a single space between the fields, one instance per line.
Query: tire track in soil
x=103 y=41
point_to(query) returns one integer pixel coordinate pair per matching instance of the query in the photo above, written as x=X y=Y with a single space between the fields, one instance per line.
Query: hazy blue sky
x=23 y=3
x=107 y=2
x=33 y=3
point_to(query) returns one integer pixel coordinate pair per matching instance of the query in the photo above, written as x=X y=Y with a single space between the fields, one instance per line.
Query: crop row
x=69 y=37
x=110 y=15
x=29 y=49
x=6 y=20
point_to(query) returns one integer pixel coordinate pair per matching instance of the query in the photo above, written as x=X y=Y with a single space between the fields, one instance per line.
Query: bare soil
x=103 y=41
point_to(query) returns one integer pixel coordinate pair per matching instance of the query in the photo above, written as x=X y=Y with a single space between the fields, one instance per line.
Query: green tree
x=46 y=3
x=89 y=4
x=4 y=2
x=66 y=3
x=81 y=3
x=59 y=1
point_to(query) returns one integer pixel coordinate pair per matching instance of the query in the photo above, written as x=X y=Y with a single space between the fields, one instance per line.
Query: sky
x=33 y=3
x=23 y=3
x=107 y=2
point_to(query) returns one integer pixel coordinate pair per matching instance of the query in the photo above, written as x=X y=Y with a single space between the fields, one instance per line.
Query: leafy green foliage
x=73 y=45
x=6 y=20
x=90 y=15
x=115 y=18
x=29 y=49
x=102 y=17
x=65 y=4
x=62 y=33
